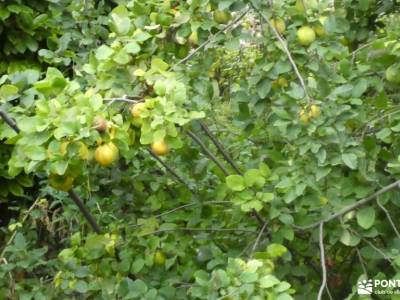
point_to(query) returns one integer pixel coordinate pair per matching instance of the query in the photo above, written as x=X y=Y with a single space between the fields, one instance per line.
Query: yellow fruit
x=315 y=111
x=160 y=148
x=305 y=35
x=106 y=154
x=303 y=5
x=61 y=183
x=83 y=151
x=221 y=17
x=282 y=81
x=194 y=38
x=303 y=117
x=392 y=73
x=137 y=109
x=323 y=200
x=279 y=25
x=159 y=258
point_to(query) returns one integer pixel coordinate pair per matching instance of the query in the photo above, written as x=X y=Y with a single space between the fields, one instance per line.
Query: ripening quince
x=221 y=17
x=137 y=109
x=106 y=154
x=315 y=111
x=305 y=35
x=61 y=183
x=159 y=258
x=100 y=124
x=279 y=25
x=160 y=148
x=392 y=73
x=304 y=117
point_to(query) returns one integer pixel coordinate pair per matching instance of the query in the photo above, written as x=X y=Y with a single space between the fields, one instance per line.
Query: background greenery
x=207 y=227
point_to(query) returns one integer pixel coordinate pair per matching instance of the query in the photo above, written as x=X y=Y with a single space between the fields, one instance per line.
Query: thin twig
x=168 y=168
x=352 y=207
x=323 y=265
x=11 y=239
x=207 y=151
x=360 y=258
x=287 y=52
x=220 y=147
x=388 y=217
x=211 y=39
x=200 y=229
x=258 y=238
x=127 y=100
x=10 y=122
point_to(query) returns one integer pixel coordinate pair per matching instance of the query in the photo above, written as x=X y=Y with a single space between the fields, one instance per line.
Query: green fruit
x=393 y=73
x=279 y=25
x=61 y=183
x=159 y=258
x=305 y=35
x=303 y=5
x=221 y=17
x=194 y=38
x=160 y=88
x=182 y=52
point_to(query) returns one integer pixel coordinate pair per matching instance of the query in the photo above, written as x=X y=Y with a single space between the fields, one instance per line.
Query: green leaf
x=103 y=52
x=8 y=92
x=276 y=250
x=121 y=21
x=349 y=239
x=235 y=183
x=366 y=217
x=254 y=177
x=268 y=281
x=158 y=64
x=350 y=160
x=132 y=48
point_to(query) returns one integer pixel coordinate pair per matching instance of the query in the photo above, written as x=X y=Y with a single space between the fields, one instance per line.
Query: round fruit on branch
x=61 y=183
x=279 y=25
x=305 y=35
x=160 y=148
x=100 y=124
x=137 y=109
x=221 y=17
x=159 y=258
x=106 y=154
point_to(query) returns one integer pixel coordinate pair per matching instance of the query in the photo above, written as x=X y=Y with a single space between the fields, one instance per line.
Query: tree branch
x=258 y=238
x=200 y=229
x=168 y=168
x=389 y=218
x=211 y=39
x=351 y=207
x=286 y=50
x=207 y=151
x=220 y=147
x=10 y=122
x=323 y=265
x=84 y=211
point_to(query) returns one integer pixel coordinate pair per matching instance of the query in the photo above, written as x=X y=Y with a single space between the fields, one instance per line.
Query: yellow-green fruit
x=221 y=17
x=302 y=5
x=282 y=81
x=194 y=38
x=83 y=151
x=106 y=154
x=182 y=51
x=160 y=148
x=319 y=28
x=159 y=258
x=303 y=117
x=305 y=35
x=153 y=17
x=279 y=25
x=137 y=109
x=61 y=183
x=323 y=200
x=315 y=111
x=393 y=73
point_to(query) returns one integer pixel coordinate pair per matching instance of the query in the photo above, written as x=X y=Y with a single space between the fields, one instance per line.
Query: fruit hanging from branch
x=305 y=35
x=61 y=183
x=106 y=154
x=160 y=148
x=100 y=124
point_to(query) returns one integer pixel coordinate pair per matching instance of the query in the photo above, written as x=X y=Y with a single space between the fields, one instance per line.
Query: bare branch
x=388 y=217
x=362 y=263
x=127 y=100
x=10 y=122
x=287 y=52
x=169 y=169
x=201 y=229
x=207 y=151
x=323 y=265
x=258 y=238
x=352 y=207
x=211 y=39
x=220 y=147
x=88 y=216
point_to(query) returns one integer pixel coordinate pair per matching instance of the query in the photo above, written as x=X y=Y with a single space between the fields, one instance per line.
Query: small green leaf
x=254 y=177
x=366 y=217
x=276 y=250
x=103 y=52
x=349 y=239
x=350 y=160
x=120 y=17
x=235 y=183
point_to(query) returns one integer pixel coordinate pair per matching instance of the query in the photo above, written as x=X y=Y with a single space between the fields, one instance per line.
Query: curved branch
x=351 y=207
x=323 y=265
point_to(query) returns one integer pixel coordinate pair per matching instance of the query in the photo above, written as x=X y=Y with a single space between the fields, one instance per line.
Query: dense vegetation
x=204 y=149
